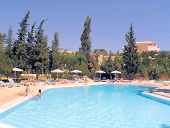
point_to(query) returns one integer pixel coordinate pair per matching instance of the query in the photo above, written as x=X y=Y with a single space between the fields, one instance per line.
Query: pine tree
x=2 y=41
x=31 y=49
x=22 y=33
x=19 y=50
x=85 y=38
x=54 y=53
x=107 y=65
x=130 y=55
x=31 y=35
x=5 y=62
x=41 y=51
x=9 y=43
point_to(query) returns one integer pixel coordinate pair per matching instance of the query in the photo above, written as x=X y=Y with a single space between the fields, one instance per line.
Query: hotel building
x=147 y=46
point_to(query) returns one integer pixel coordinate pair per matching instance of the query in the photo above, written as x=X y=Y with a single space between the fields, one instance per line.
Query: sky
x=111 y=20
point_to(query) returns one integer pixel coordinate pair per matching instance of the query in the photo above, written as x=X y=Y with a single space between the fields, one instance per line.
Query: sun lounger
x=80 y=81
x=97 y=79
x=38 y=82
x=3 y=84
x=53 y=82
x=66 y=81
x=13 y=83
x=24 y=82
x=166 y=82
x=125 y=80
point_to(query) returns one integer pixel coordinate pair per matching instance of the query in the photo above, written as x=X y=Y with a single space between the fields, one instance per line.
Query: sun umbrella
x=116 y=72
x=57 y=71
x=15 y=71
x=100 y=72
x=76 y=71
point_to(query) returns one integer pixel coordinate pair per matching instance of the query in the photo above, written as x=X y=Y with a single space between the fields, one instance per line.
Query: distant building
x=147 y=46
x=67 y=51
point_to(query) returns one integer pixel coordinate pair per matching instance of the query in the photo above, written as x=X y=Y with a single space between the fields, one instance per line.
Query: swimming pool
x=102 y=106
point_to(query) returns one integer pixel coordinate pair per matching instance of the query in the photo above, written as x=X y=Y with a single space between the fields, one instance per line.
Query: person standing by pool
x=39 y=94
x=27 y=89
x=85 y=79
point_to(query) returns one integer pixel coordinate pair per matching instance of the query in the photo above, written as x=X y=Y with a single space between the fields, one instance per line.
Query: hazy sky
x=111 y=20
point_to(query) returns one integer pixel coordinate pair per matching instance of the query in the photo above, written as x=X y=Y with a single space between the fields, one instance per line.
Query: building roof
x=145 y=42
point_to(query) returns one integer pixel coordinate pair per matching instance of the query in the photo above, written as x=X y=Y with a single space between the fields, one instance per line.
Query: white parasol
x=100 y=72
x=17 y=70
x=57 y=71
x=76 y=71
x=116 y=72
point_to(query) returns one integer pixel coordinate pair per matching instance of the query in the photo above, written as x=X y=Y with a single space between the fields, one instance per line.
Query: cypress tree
x=54 y=53
x=41 y=51
x=85 y=38
x=31 y=49
x=2 y=41
x=5 y=62
x=9 y=43
x=130 y=55
x=19 y=49
x=22 y=33
x=31 y=35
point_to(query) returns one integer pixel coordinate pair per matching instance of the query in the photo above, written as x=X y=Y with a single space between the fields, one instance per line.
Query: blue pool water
x=104 y=106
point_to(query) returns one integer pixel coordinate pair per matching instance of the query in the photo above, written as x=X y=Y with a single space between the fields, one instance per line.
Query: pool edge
x=156 y=97
x=13 y=103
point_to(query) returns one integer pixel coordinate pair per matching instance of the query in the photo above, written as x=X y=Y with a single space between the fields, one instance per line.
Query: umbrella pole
x=15 y=74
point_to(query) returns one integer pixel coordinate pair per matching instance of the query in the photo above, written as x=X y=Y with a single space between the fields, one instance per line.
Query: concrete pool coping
x=156 y=97
x=13 y=103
